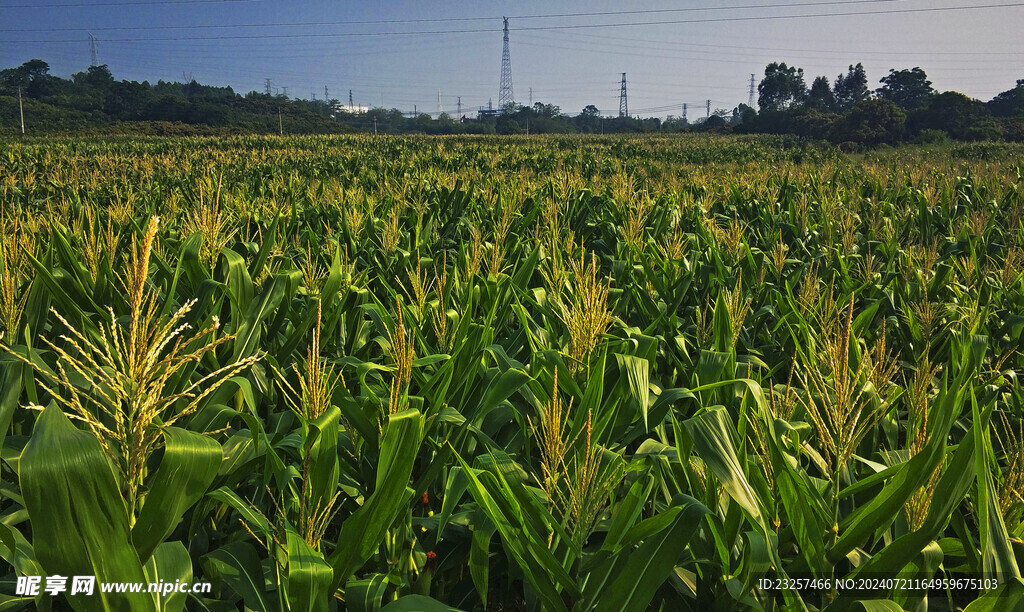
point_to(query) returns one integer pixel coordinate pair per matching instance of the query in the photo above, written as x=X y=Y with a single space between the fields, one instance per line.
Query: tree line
x=904 y=108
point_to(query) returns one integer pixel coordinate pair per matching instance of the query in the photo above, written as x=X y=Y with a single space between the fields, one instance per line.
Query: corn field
x=430 y=374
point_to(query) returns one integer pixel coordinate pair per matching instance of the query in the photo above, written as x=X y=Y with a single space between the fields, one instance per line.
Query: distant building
x=352 y=109
x=488 y=112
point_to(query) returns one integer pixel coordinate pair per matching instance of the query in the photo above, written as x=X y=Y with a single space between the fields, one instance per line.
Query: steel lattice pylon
x=623 y=103
x=505 y=95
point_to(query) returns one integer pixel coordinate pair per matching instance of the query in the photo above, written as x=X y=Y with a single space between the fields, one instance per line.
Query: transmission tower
x=623 y=103
x=267 y=84
x=93 y=52
x=350 y=104
x=439 y=109
x=709 y=109
x=505 y=95
x=684 y=112
x=326 y=99
x=458 y=113
x=750 y=101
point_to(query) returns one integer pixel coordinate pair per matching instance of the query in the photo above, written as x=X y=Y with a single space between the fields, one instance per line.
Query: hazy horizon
x=671 y=54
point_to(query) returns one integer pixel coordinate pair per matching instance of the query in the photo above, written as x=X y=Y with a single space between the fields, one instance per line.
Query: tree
x=908 y=89
x=872 y=121
x=782 y=87
x=821 y=96
x=748 y=116
x=546 y=110
x=714 y=122
x=1010 y=103
x=96 y=77
x=506 y=125
x=956 y=114
x=851 y=88
x=34 y=71
x=589 y=120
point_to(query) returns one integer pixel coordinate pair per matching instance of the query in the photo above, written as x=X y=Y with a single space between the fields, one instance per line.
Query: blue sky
x=241 y=43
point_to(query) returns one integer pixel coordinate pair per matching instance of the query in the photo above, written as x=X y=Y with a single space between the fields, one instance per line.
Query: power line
x=774 y=17
x=551 y=27
x=617 y=51
x=437 y=20
x=676 y=43
x=151 y=3
x=221 y=26
x=703 y=8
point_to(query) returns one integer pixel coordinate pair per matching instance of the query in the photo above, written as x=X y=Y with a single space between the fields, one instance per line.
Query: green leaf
x=364 y=530
x=479 y=553
x=250 y=513
x=712 y=433
x=417 y=603
x=250 y=330
x=878 y=605
x=67 y=481
x=238 y=566
x=365 y=595
x=10 y=390
x=323 y=459
x=997 y=560
x=882 y=509
x=1007 y=596
x=239 y=285
x=189 y=465
x=17 y=551
x=638 y=373
x=169 y=564
x=949 y=491
x=527 y=546
x=628 y=582
x=309 y=576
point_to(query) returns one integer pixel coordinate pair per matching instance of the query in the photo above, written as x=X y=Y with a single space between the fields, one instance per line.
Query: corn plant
x=532 y=373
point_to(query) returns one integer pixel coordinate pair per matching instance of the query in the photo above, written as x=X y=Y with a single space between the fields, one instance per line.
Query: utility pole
x=93 y=51
x=709 y=109
x=280 y=123
x=623 y=103
x=439 y=109
x=531 y=97
x=21 y=111
x=505 y=95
